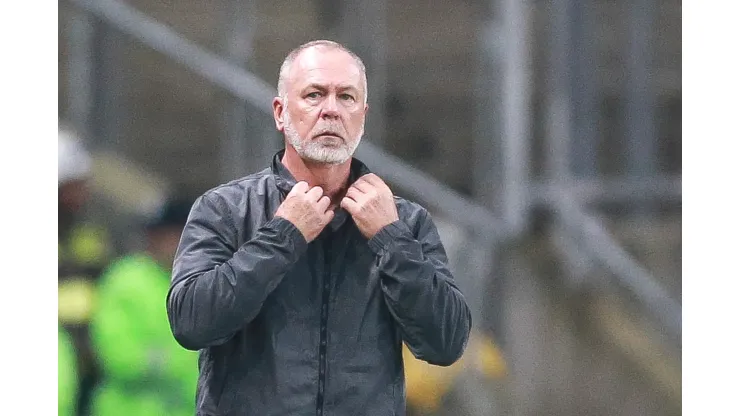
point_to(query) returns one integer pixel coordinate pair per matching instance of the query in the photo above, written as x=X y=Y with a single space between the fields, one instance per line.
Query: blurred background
x=544 y=136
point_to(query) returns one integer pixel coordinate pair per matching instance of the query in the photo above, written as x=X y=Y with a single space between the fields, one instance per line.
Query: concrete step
x=579 y=351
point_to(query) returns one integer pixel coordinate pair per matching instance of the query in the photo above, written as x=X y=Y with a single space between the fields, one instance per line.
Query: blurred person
x=84 y=246
x=84 y=249
x=300 y=283
x=144 y=371
x=67 y=377
x=427 y=386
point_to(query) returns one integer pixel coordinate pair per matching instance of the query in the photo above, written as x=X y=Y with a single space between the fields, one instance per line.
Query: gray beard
x=316 y=151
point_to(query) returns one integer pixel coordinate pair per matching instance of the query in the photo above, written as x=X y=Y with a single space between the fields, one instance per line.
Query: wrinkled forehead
x=325 y=66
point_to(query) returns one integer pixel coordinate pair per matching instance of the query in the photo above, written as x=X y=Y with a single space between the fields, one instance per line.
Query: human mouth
x=329 y=134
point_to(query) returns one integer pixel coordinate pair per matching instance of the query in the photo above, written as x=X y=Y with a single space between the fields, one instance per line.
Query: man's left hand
x=370 y=202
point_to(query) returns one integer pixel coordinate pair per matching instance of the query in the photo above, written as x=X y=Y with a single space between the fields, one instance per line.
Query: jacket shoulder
x=236 y=190
x=240 y=184
x=235 y=207
x=412 y=213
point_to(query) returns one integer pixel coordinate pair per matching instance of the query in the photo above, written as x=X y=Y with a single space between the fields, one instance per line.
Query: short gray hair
x=285 y=67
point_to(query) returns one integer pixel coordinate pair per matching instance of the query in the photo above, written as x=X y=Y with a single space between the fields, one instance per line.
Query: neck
x=330 y=177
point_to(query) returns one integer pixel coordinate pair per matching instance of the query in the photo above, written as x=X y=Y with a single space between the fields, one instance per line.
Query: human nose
x=330 y=108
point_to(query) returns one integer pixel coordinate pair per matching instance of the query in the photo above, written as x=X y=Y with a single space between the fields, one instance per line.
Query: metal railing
x=506 y=75
x=480 y=222
x=595 y=241
x=245 y=85
x=481 y=226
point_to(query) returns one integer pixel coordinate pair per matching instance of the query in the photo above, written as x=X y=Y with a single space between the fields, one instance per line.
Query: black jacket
x=290 y=328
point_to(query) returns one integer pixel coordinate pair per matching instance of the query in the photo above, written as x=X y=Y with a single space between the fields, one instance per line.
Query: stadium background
x=544 y=136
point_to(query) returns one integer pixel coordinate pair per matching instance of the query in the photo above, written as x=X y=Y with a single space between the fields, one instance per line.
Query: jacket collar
x=285 y=182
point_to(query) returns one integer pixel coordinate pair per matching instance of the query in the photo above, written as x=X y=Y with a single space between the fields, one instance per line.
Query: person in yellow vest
x=84 y=249
x=145 y=372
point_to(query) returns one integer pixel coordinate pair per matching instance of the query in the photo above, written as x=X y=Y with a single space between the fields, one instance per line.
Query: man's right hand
x=307 y=209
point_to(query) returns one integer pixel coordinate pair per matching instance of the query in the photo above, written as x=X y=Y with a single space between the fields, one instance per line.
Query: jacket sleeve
x=217 y=288
x=420 y=292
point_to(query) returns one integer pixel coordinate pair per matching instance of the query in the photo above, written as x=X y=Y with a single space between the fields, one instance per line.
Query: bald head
x=287 y=66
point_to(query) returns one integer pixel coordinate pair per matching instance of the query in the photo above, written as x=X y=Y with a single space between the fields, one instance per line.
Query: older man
x=300 y=283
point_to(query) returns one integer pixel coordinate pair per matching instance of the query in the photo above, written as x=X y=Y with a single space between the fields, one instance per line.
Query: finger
x=299 y=188
x=375 y=181
x=354 y=193
x=372 y=179
x=328 y=216
x=351 y=206
x=324 y=203
x=315 y=193
x=363 y=185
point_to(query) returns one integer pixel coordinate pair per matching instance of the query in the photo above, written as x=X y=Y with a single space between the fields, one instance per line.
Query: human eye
x=346 y=97
x=313 y=95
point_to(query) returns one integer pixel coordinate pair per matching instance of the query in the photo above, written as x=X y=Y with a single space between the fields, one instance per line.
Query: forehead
x=325 y=66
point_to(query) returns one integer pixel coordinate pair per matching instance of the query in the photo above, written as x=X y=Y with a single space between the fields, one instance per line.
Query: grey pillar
x=501 y=147
x=80 y=72
x=109 y=102
x=363 y=29
x=96 y=105
x=487 y=157
x=516 y=105
x=248 y=136
x=559 y=110
x=640 y=106
x=584 y=149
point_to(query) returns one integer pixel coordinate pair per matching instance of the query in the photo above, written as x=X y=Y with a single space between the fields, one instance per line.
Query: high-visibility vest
x=82 y=257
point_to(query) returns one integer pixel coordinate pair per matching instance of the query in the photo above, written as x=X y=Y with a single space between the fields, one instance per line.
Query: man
x=144 y=371
x=300 y=283
x=84 y=250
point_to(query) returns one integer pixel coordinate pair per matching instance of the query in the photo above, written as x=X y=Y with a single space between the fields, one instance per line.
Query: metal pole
x=246 y=143
x=596 y=240
x=490 y=285
x=501 y=146
x=640 y=108
x=80 y=72
x=109 y=102
x=163 y=39
x=666 y=188
x=584 y=150
x=364 y=30
x=559 y=97
x=487 y=155
x=516 y=95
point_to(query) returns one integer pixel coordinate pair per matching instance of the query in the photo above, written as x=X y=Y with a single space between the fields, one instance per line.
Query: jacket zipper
x=324 y=319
